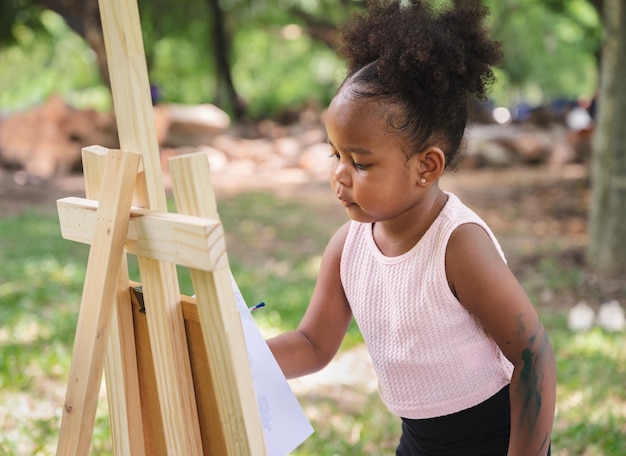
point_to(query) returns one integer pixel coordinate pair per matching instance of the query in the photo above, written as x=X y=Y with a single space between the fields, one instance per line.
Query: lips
x=339 y=193
x=344 y=202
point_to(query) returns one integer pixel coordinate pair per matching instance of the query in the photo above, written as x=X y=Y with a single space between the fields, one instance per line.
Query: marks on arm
x=531 y=378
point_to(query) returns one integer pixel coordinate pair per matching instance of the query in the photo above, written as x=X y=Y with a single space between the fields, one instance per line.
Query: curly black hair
x=426 y=64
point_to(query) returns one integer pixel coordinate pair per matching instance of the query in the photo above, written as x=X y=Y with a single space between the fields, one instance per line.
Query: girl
x=459 y=351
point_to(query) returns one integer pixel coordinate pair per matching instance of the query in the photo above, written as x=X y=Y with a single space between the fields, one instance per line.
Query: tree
x=213 y=50
x=226 y=93
x=549 y=48
x=607 y=221
x=195 y=23
x=83 y=17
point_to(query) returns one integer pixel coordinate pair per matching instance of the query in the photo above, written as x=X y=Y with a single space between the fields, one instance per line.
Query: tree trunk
x=226 y=95
x=607 y=224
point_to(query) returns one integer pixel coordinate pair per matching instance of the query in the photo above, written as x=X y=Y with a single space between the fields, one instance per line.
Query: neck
x=396 y=237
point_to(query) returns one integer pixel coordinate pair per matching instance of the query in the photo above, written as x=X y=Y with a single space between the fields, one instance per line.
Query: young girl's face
x=370 y=174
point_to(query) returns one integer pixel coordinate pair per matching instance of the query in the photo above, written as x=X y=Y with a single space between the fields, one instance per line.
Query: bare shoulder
x=470 y=255
x=486 y=287
x=335 y=245
x=470 y=236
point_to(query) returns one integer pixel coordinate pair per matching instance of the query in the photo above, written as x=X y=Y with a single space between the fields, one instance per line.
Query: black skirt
x=482 y=430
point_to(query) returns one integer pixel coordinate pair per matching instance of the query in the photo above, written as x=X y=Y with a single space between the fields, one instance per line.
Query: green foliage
x=182 y=71
x=549 y=48
x=16 y=14
x=548 y=52
x=274 y=70
x=179 y=50
x=45 y=61
x=591 y=367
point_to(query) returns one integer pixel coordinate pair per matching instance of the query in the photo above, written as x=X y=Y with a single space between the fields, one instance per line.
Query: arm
x=485 y=285
x=318 y=336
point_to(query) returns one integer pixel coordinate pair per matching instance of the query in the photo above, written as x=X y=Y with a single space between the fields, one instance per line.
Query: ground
x=539 y=214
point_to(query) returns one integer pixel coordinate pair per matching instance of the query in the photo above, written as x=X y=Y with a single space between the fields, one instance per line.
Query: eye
x=336 y=155
x=333 y=152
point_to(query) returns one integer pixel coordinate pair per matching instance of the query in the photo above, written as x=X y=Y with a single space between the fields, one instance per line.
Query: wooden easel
x=178 y=379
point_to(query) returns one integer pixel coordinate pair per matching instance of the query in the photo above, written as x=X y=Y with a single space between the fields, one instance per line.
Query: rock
x=527 y=144
x=288 y=148
x=257 y=150
x=492 y=154
x=194 y=125
x=217 y=159
x=580 y=317
x=611 y=317
x=226 y=143
x=314 y=159
x=531 y=147
x=47 y=140
x=311 y=136
x=562 y=153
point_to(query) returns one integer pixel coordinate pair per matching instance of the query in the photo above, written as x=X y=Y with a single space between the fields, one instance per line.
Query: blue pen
x=258 y=306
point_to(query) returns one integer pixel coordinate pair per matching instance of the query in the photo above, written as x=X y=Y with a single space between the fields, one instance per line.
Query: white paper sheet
x=285 y=425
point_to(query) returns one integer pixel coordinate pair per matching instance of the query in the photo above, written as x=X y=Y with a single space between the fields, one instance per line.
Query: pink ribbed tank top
x=432 y=357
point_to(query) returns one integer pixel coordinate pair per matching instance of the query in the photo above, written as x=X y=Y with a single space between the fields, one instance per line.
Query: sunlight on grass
x=365 y=428
x=591 y=398
x=274 y=248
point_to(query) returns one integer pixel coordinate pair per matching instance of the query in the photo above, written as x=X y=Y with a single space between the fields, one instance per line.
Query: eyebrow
x=354 y=149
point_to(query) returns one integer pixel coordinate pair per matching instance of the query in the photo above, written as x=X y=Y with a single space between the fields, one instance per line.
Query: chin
x=355 y=213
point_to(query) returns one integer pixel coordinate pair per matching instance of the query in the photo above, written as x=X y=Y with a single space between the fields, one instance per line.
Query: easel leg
x=96 y=306
x=135 y=123
x=120 y=365
x=219 y=318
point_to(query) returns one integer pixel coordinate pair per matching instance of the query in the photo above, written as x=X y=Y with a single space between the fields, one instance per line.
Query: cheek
x=387 y=192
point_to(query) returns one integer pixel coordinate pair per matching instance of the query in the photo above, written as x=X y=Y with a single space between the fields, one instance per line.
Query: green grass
x=274 y=246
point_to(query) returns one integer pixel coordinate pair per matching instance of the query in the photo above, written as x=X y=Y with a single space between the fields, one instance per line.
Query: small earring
x=423 y=180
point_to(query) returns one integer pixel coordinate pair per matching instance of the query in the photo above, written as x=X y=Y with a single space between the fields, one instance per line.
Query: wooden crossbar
x=185 y=240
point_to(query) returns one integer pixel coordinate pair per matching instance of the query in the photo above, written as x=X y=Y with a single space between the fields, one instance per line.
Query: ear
x=432 y=163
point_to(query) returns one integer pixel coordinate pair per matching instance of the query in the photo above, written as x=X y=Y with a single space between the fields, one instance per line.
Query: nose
x=340 y=173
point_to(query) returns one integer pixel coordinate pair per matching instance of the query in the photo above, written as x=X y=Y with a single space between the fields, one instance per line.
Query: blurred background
x=258 y=59
x=247 y=82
